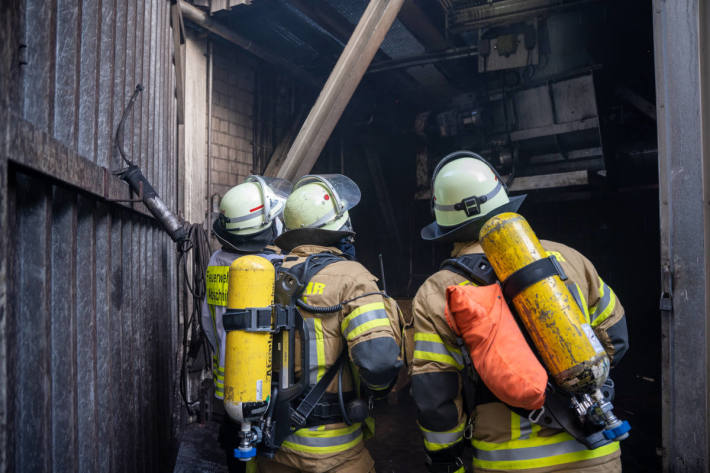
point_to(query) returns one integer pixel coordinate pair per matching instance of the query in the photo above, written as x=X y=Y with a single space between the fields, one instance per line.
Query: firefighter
x=248 y=223
x=467 y=191
x=344 y=314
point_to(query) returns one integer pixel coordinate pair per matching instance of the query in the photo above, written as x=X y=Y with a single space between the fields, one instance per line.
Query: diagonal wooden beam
x=339 y=88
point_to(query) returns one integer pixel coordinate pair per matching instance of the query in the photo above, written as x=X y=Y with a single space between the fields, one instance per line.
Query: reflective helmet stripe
x=452 y=207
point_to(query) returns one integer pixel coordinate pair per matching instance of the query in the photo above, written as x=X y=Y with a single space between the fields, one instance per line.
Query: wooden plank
x=34 y=149
x=340 y=86
x=32 y=407
x=89 y=56
x=195 y=158
x=64 y=387
x=66 y=88
x=178 y=30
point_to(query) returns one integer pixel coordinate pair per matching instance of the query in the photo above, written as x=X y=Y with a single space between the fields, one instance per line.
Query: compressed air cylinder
x=565 y=342
x=247 y=366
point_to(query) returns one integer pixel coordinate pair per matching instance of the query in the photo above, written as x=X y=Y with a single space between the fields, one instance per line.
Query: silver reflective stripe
x=442 y=437
x=310 y=324
x=452 y=207
x=603 y=302
x=363 y=318
x=323 y=220
x=440 y=348
x=574 y=290
x=531 y=453
x=525 y=428
x=324 y=441
x=242 y=218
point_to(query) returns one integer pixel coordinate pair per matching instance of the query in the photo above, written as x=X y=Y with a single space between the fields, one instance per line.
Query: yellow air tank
x=573 y=355
x=247 y=366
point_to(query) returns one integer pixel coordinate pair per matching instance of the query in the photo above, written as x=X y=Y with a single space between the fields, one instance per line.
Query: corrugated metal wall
x=88 y=309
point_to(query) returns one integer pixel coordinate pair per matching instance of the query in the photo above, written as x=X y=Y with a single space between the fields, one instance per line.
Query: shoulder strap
x=303 y=272
x=300 y=414
x=473 y=267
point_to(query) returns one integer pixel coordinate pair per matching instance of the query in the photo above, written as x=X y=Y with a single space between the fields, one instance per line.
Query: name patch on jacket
x=217 y=281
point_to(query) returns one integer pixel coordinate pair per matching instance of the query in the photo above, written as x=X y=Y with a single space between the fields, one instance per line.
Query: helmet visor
x=345 y=192
x=280 y=187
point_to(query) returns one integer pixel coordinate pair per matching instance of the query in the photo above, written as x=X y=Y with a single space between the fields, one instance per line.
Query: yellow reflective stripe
x=603 y=309
x=556 y=254
x=214 y=331
x=447 y=354
x=582 y=301
x=514 y=426
x=367 y=326
x=544 y=460
x=434 y=441
x=433 y=337
x=321 y=441
x=437 y=357
x=521 y=443
x=320 y=347
x=467 y=283
x=351 y=326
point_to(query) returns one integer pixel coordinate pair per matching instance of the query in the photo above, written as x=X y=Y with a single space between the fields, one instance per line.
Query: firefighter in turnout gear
x=347 y=321
x=467 y=192
x=248 y=223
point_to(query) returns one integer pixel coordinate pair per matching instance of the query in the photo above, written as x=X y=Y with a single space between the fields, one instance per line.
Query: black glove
x=447 y=460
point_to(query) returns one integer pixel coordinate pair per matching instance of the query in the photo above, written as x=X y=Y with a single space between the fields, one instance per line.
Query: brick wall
x=232 y=118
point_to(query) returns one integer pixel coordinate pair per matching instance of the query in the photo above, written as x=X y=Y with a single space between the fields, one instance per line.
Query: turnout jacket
x=503 y=440
x=366 y=328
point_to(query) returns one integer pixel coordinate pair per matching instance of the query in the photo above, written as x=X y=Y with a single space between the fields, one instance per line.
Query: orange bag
x=498 y=349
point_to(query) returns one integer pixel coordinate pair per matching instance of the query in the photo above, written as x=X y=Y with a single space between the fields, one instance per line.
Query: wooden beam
x=340 y=86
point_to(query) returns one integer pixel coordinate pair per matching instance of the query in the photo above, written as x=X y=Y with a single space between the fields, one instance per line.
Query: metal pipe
x=422 y=59
x=339 y=88
x=201 y=18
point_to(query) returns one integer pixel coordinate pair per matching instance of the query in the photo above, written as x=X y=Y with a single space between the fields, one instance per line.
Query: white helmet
x=466 y=191
x=316 y=212
x=321 y=202
x=248 y=212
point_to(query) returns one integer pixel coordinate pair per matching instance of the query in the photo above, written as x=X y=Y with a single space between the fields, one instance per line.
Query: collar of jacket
x=466 y=248
x=305 y=250
x=272 y=249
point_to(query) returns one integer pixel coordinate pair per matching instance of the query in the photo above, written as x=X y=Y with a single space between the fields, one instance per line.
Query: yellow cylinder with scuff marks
x=247 y=365
x=565 y=341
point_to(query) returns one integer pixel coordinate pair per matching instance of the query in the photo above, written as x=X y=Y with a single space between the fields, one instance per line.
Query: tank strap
x=530 y=274
x=474 y=267
x=308 y=403
x=251 y=319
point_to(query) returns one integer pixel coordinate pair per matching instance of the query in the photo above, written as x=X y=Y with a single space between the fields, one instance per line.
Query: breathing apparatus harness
x=295 y=405
x=561 y=410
